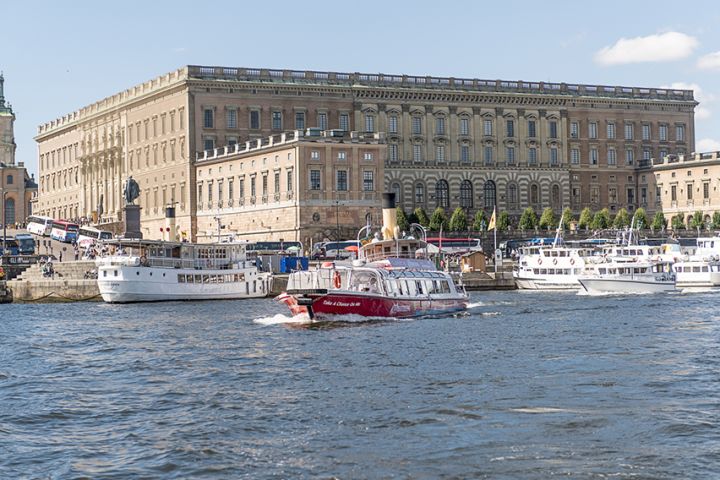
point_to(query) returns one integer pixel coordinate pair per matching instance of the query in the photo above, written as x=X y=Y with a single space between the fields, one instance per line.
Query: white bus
x=39 y=225
x=89 y=235
x=64 y=231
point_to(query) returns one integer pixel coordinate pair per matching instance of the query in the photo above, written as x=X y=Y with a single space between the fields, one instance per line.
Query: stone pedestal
x=132 y=221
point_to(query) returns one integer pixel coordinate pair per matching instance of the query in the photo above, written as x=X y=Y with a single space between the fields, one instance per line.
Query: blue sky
x=60 y=56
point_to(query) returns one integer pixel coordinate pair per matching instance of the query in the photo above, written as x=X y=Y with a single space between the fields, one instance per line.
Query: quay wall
x=58 y=290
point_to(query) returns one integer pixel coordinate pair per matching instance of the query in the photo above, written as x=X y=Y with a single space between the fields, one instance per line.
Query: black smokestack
x=388 y=200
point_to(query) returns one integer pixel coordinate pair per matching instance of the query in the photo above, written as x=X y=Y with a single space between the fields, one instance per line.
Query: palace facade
x=17 y=188
x=449 y=142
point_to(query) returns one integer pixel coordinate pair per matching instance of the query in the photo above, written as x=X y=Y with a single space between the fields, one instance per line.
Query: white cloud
x=711 y=61
x=707 y=145
x=662 y=47
x=702 y=111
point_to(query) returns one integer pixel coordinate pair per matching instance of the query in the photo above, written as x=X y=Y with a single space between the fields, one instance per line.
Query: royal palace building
x=447 y=142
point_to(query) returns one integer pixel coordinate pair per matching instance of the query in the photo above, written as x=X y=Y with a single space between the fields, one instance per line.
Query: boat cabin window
x=418 y=287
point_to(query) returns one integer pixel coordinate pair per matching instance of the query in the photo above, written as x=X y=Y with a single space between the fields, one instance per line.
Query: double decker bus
x=39 y=225
x=64 y=231
x=89 y=235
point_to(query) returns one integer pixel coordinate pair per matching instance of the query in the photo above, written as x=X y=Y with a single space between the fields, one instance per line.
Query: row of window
x=612 y=155
x=277 y=120
x=488 y=154
x=223 y=189
x=689 y=187
x=629 y=131
x=441 y=194
x=158 y=125
x=341 y=180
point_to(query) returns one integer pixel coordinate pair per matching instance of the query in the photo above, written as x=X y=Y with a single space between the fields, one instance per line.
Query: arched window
x=442 y=194
x=9 y=180
x=395 y=188
x=466 y=194
x=9 y=211
x=490 y=195
x=555 y=197
x=534 y=195
x=419 y=195
x=512 y=196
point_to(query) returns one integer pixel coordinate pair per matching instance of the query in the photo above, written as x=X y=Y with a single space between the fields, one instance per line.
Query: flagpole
x=495 y=239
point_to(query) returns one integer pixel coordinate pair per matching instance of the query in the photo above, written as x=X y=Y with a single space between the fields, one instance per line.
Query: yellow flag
x=491 y=225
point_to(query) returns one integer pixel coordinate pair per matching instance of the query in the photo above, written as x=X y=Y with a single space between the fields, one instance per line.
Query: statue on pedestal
x=131 y=191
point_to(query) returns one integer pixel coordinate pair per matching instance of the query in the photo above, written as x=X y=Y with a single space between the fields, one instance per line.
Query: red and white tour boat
x=386 y=281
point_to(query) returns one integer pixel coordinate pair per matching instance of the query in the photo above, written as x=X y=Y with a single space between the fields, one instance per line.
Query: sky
x=60 y=56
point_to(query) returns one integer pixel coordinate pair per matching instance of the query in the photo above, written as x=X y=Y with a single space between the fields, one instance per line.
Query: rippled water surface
x=526 y=385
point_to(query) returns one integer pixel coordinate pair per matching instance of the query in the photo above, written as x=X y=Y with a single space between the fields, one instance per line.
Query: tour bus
x=39 y=225
x=26 y=243
x=253 y=249
x=10 y=246
x=89 y=235
x=339 y=250
x=456 y=245
x=64 y=231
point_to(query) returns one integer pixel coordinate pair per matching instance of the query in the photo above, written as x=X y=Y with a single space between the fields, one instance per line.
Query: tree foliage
x=402 y=220
x=641 y=219
x=622 y=219
x=438 y=220
x=422 y=217
x=458 y=220
x=528 y=220
x=659 y=221
x=480 y=222
x=678 y=222
x=547 y=219
x=601 y=219
x=716 y=220
x=696 y=221
x=567 y=218
x=503 y=222
x=586 y=218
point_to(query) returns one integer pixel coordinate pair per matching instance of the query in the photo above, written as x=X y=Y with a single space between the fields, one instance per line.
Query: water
x=526 y=385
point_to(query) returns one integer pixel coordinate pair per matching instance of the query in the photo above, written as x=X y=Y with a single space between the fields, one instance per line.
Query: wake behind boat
x=386 y=281
x=151 y=271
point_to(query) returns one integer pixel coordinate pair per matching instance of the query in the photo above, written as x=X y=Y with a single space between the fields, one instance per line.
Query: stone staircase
x=63 y=271
x=68 y=284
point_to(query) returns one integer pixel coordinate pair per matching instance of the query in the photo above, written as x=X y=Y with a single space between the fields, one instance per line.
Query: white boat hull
x=564 y=283
x=626 y=285
x=151 y=284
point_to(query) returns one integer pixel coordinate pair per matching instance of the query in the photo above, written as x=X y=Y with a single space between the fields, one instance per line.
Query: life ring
x=554 y=261
x=572 y=261
x=337 y=281
x=539 y=261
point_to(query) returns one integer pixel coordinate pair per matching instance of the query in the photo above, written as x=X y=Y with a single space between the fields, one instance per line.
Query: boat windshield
x=364 y=281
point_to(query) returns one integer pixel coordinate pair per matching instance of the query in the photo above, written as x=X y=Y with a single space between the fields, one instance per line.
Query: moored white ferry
x=629 y=276
x=151 y=271
x=701 y=270
x=550 y=267
x=386 y=281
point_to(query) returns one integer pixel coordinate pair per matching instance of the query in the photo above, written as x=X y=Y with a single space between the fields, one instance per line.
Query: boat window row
x=696 y=268
x=417 y=287
x=556 y=271
x=196 y=278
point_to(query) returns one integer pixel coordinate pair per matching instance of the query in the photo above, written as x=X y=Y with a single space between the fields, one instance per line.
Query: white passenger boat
x=386 y=281
x=150 y=271
x=701 y=270
x=550 y=267
x=633 y=276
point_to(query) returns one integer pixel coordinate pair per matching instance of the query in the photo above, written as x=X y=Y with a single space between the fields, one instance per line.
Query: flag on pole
x=491 y=225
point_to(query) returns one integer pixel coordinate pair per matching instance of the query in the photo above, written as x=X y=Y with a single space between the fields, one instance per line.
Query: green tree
x=503 y=222
x=402 y=221
x=696 y=221
x=567 y=218
x=586 y=218
x=622 y=219
x=422 y=217
x=547 y=219
x=438 y=220
x=678 y=222
x=412 y=218
x=458 y=221
x=716 y=220
x=641 y=219
x=659 y=221
x=601 y=219
x=480 y=223
x=528 y=219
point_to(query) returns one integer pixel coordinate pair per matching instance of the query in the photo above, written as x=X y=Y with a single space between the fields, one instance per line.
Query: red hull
x=347 y=303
